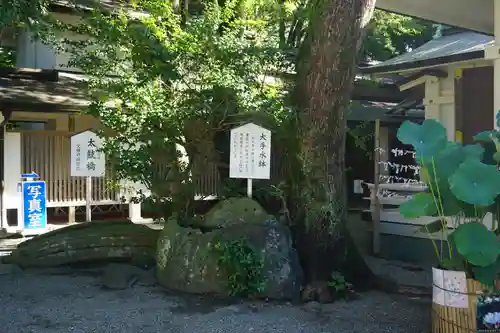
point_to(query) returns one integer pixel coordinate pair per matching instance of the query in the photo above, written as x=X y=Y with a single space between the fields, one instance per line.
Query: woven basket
x=455 y=320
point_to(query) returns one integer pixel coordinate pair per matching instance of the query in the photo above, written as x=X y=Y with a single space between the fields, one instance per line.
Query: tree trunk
x=326 y=71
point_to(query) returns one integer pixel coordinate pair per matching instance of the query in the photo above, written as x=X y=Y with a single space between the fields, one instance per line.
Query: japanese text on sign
x=250 y=152
x=34 y=205
x=86 y=158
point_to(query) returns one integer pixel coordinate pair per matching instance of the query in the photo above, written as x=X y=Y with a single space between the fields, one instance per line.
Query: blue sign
x=34 y=205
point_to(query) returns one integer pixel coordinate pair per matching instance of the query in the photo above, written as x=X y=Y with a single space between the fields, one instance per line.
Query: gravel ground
x=58 y=304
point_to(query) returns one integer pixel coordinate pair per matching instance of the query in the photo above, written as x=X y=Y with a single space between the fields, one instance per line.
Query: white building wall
x=33 y=53
x=439 y=101
x=12 y=176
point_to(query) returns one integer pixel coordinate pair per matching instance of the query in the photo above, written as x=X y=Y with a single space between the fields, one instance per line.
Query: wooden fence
x=48 y=154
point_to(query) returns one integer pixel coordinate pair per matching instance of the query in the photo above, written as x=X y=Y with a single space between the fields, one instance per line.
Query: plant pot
x=458 y=314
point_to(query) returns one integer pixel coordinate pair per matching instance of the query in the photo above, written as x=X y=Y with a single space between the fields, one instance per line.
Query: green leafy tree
x=391 y=34
x=7 y=57
x=177 y=89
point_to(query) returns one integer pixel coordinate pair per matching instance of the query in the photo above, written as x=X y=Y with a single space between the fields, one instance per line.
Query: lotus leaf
x=446 y=162
x=427 y=139
x=486 y=135
x=488 y=274
x=476 y=183
x=476 y=244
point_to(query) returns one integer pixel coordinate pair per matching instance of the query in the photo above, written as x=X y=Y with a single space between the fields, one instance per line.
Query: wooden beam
x=378 y=93
x=419 y=78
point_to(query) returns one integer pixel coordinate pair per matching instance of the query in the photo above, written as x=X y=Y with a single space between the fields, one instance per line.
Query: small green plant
x=243 y=266
x=339 y=283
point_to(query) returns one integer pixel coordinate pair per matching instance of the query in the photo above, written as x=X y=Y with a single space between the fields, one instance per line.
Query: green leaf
x=476 y=183
x=477 y=244
x=487 y=275
x=427 y=139
x=446 y=162
x=421 y=204
x=486 y=136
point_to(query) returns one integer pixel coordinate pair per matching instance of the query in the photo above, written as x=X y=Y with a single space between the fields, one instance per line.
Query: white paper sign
x=449 y=288
x=250 y=152
x=86 y=159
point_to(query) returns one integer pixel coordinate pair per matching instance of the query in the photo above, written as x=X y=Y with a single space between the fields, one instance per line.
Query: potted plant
x=462 y=191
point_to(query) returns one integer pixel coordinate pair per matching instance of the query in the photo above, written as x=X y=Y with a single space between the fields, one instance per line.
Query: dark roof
x=385 y=112
x=29 y=92
x=450 y=48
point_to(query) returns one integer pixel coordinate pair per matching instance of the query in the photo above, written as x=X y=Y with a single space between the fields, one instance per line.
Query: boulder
x=88 y=242
x=235 y=211
x=187 y=262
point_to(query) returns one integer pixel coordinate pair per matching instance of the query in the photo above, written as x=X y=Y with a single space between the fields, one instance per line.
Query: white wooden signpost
x=250 y=154
x=87 y=161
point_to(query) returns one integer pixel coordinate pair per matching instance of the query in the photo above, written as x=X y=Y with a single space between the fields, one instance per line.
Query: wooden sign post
x=87 y=161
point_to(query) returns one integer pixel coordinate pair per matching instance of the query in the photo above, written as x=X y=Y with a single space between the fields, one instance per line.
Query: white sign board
x=250 y=152
x=86 y=158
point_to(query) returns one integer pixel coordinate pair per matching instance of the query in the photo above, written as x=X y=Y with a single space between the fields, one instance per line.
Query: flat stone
x=6 y=269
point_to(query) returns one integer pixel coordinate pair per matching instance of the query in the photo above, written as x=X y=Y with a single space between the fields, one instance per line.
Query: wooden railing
x=390 y=197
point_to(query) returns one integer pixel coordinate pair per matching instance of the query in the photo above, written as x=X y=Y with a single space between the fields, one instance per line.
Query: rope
x=455 y=292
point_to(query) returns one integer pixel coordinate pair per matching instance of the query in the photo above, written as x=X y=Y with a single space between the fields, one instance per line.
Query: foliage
x=392 y=34
x=174 y=88
x=16 y=14
x=33 y=14
x=462 y=189
x=243 y=267
x=7 y=57
x=339 y=283
x=388 y=34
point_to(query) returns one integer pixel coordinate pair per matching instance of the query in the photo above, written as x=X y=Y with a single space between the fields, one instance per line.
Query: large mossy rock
x=187 y=262
x=88 y=242
x=235 y=211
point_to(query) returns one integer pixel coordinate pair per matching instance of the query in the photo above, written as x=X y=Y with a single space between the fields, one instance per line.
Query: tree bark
x=326 y=71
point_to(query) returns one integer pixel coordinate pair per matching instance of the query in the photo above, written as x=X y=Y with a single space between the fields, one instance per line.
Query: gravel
x=33 y=302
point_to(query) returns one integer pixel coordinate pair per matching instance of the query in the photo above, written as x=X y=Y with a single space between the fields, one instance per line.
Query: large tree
x=326 y=69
